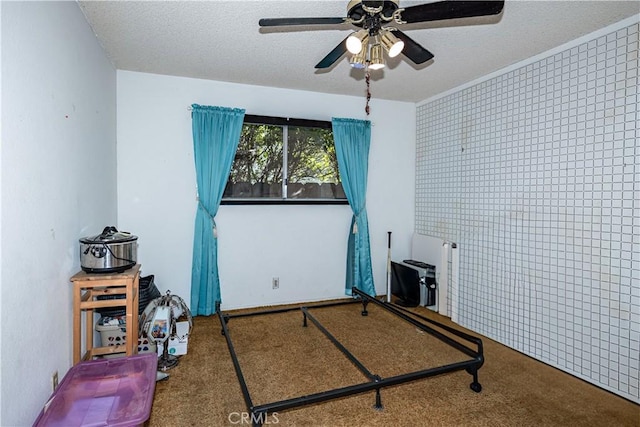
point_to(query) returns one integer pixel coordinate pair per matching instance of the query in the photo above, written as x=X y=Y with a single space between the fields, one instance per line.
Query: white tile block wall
x=536 y=173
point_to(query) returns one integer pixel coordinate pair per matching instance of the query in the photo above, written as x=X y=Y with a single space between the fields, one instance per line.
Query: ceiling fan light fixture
x=356 y=41
x=376 y=58
x=391 y=43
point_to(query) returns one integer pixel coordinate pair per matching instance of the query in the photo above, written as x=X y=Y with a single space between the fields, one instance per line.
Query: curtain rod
x=190 y=108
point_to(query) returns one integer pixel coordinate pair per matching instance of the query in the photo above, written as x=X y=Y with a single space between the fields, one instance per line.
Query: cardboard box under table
x=103 y=392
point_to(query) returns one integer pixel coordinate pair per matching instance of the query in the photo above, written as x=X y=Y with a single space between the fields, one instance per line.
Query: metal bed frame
x=259 y=413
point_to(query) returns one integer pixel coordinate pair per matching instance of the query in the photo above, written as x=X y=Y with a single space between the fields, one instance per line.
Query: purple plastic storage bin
x=104 y=392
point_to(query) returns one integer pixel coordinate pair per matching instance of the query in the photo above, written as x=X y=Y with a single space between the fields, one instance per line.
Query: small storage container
x=116 y=393
x=112 y=334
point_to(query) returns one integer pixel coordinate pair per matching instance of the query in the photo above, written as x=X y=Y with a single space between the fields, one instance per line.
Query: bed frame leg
x=217 y=304
x=225 y=319
x=304 y=319
x=364 y=308
x=378 y=406
x=475 y=385
x=257 y=419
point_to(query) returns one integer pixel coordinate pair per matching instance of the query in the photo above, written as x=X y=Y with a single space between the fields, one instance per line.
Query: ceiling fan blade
x=334 y=55
x=413 y=50
x=450 y=10
x=276 y=22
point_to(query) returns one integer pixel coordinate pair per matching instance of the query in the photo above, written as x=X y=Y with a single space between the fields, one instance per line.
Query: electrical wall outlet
x=54 y=380
x=275 y=282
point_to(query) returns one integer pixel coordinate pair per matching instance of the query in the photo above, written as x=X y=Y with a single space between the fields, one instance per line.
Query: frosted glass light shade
x=392 y=44
x=376 y=60
x=356 y=41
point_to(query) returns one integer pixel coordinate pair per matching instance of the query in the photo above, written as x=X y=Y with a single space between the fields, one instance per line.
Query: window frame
x=284 y=121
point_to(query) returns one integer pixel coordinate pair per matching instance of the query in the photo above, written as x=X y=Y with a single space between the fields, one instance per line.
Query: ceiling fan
x=377 y=20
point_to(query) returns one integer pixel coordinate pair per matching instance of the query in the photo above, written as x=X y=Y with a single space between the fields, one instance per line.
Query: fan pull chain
x=367 y=78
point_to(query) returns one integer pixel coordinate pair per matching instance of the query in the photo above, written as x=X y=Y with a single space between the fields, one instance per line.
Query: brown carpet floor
x=280 y=359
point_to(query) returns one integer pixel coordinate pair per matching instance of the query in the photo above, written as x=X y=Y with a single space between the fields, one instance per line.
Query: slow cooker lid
x=110 y=235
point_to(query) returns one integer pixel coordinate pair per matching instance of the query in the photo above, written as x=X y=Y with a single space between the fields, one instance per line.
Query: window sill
x=265 y=201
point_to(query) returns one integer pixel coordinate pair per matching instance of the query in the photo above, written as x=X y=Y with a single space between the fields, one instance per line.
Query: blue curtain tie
x=214 y=229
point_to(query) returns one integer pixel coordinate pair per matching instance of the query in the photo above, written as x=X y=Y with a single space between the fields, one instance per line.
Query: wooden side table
x=88 y=286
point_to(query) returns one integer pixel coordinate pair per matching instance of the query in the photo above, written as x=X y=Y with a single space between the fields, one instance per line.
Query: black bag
x=147 y=291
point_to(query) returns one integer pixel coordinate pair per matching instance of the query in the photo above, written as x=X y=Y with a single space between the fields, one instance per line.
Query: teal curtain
x=352 y=140
x=216 y=134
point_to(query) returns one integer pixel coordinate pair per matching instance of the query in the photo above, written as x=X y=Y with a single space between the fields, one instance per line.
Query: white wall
x=305 y=246
x=58 y=184
x=0 y=219
x=535 y=172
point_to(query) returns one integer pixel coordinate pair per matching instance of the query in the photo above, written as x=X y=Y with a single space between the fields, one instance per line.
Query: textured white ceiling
x=221 y=40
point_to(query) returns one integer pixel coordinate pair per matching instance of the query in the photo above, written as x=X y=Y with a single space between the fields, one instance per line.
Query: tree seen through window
x=261 y=171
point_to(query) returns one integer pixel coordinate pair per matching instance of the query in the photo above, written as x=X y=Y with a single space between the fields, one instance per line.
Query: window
x=284 y=161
